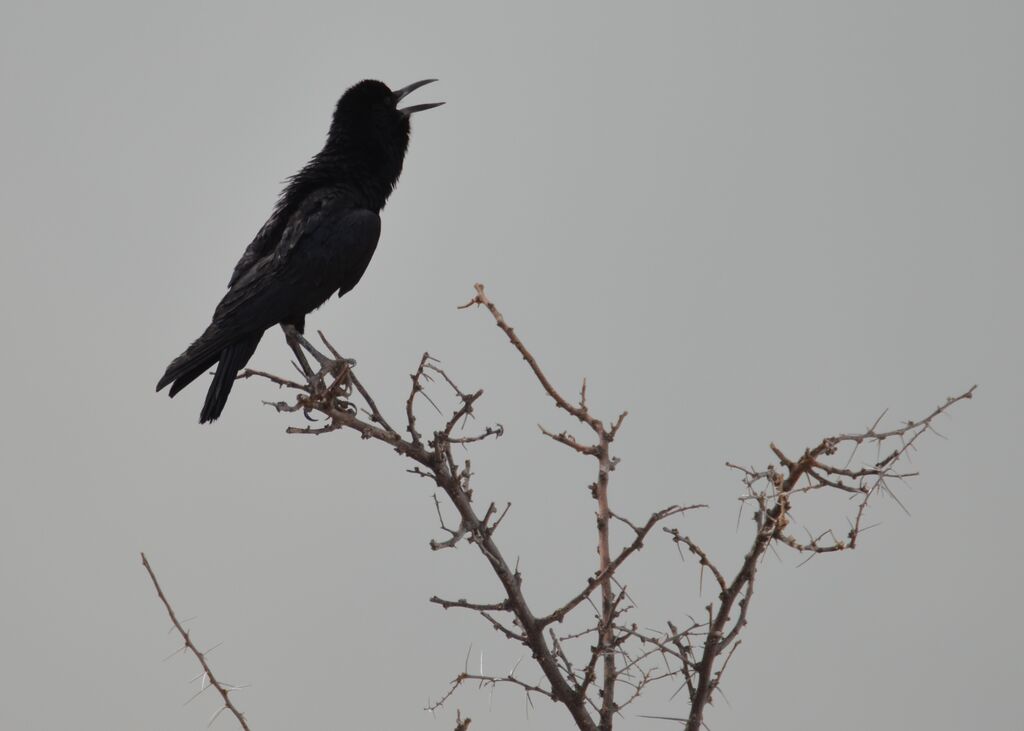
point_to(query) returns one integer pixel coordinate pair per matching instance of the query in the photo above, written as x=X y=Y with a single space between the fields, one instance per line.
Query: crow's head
x=368 y=115
x=368 y=138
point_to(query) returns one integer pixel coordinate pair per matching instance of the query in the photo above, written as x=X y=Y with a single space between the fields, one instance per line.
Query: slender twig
x=222 y=688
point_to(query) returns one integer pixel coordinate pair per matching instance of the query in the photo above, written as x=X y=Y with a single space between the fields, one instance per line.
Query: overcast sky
x=745 y=222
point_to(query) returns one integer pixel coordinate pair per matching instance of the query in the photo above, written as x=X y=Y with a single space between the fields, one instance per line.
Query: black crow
x=318 y=240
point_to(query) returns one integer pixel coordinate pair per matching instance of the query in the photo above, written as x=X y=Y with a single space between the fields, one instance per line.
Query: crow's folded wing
x=326 y=246
x=260 y=246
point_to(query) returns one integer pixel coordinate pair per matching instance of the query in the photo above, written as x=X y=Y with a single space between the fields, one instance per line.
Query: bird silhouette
x=318 y=240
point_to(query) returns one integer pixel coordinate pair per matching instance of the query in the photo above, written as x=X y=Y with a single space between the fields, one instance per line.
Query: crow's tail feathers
x=202 y=355
x=232 y=360
x=191 y=364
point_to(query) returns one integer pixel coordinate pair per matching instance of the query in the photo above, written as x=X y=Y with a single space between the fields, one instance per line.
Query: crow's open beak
x=406 y=90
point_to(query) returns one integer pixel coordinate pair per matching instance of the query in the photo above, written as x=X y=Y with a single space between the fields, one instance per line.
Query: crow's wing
x=260 y=246
x=325 y=247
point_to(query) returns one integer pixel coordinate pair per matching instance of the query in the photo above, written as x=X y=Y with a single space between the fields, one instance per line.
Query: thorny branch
x=604 y=435
x=621 y=660
x=327 y=394
x=208 y=678
x=772 y=491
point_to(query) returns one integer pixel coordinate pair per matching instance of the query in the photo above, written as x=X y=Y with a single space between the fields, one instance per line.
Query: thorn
x=196 y=694
x=214 y=716
x=176 y=652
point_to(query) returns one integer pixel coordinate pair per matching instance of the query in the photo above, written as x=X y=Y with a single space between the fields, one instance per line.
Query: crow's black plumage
x=319 y=239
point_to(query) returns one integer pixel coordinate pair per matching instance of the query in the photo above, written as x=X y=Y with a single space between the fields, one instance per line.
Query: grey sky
x=744 y=222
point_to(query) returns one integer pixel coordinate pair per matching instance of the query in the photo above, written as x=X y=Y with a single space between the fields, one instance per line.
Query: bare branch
x=502 y=606
x=222 y=688
x=592 y=583
x=619 y=660
x=580 y=412
x=774 y=502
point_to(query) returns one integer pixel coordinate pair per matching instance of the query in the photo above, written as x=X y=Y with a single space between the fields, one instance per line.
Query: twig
x=223 y=689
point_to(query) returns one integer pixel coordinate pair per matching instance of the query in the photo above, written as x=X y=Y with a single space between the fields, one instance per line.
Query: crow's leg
x=292 y=337
x=296 y=340
x=339 y=367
